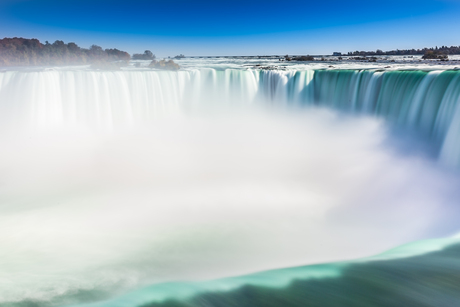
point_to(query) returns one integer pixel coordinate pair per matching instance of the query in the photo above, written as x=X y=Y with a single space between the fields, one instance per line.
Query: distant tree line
x=443 y=50
x=147 y=55
x=23 y=52
x=163 y=64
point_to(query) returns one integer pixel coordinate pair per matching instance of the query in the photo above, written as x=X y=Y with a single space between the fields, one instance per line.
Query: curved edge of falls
x=428 y=102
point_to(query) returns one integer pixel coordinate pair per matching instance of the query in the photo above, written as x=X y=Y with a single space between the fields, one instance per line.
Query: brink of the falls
x=114 y=181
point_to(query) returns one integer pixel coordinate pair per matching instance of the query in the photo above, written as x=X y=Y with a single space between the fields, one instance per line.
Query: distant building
x=337 y=53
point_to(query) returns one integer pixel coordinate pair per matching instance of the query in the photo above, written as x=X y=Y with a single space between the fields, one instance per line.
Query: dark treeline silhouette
x=442 y=50
x=24 y=52
x=163 y=64
x=147 y=55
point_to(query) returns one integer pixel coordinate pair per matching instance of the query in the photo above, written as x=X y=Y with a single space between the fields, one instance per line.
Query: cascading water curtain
x=421 y=100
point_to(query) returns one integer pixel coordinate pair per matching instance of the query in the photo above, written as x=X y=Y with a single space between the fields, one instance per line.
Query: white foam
x=205 y=196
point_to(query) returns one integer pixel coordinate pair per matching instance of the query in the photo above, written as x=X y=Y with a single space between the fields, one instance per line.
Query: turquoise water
x=117 y=185
x=423 y=273
x=425 y=101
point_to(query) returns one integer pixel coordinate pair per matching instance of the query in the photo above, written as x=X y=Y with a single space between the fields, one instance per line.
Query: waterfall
x=424 y=101
x=114 y=180
x=420 y=100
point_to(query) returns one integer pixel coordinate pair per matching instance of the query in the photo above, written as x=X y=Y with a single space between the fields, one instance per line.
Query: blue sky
x=239 y=27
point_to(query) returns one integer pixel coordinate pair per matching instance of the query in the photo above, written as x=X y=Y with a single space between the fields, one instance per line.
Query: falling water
x=114 y=180
x=424 y=101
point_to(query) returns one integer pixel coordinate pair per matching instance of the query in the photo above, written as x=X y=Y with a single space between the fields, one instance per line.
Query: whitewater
x=113 y=181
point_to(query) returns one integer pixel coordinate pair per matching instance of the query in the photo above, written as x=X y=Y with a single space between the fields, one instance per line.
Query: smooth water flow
x=423 y=101
x=111 y=181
